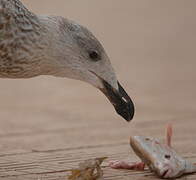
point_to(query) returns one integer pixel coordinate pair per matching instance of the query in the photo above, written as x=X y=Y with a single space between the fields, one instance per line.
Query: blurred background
x=151 y=45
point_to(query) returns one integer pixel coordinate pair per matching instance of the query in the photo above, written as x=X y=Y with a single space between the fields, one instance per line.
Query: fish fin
x=138 y=166
x=169 y=134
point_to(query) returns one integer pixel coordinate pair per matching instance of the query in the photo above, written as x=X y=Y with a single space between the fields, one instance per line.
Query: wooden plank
x=54 y=164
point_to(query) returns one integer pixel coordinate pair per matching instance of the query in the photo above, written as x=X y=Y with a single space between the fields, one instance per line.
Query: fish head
x=159 y=157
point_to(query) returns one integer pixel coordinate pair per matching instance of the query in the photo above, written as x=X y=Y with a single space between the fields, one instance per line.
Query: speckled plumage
x=21 y=41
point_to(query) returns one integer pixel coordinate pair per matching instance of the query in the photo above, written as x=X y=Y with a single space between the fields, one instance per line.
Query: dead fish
x=160 y=158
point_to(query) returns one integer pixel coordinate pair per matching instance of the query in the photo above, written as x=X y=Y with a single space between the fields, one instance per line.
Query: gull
x=33 y=45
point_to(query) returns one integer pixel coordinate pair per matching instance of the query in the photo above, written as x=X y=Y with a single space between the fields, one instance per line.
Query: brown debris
x=88 y=170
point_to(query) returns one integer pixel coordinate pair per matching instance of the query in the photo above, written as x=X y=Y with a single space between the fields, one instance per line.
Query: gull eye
x=94 y=55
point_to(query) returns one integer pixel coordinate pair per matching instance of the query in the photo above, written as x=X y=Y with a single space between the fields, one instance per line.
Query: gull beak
x=119 y=98
x=121 y=101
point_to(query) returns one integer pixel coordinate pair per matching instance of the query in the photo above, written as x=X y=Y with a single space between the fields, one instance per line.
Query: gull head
x=76 y=53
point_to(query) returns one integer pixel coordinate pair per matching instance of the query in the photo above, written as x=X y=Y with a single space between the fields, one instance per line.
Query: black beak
x=121 y=101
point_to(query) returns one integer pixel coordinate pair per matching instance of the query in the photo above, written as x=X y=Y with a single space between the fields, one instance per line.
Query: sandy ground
x=151 y=45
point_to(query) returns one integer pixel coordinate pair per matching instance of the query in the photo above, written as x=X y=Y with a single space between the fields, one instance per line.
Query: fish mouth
x=119 y=99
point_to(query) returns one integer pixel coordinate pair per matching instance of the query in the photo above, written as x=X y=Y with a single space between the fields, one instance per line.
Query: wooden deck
x=53 y=165
x=47 y=154
x=48 y=125
x=42 y=138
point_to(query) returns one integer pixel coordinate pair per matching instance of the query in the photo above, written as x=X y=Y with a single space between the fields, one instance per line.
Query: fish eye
x=167 y=156
x=94 y=55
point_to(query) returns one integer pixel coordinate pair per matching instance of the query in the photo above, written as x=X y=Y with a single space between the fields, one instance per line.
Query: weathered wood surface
x=53 y=164
x=49 y=125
